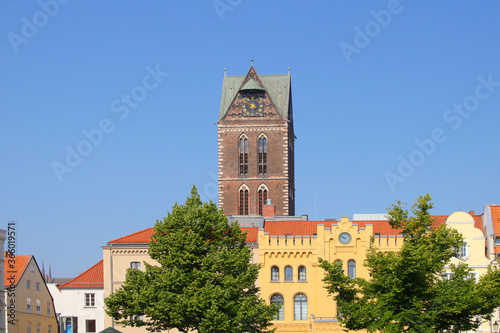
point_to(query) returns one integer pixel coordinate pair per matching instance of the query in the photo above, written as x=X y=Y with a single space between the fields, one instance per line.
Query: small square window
x=135 y=265
x=89 y=299
x=90 y=326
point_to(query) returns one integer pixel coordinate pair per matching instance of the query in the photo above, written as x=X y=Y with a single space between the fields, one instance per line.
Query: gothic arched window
x=262 y=198
x=262 y=143
x=243 y=201
x=243 y=156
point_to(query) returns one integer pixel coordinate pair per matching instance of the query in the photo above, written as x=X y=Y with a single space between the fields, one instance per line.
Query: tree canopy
x=406 y=291
x=203 y=281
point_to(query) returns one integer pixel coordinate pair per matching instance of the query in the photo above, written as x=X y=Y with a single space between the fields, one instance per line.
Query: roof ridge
x=129 y=235
x=89 y=271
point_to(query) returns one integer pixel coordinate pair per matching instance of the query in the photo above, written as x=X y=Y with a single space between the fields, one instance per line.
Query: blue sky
x=391 y=100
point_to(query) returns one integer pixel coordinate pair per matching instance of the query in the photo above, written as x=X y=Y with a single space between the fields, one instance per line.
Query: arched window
x=300 y=307
x=279 y=301
x=288 y=273
x=243 y=200
x=262 y=198
x=351 y=269
x=243 y=161
x=275 y=273
x=302 y=273
x=262 y=143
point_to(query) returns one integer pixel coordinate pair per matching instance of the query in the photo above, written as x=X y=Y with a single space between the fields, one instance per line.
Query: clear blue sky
x=369 y=80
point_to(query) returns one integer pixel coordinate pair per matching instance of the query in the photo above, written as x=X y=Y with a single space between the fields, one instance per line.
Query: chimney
x=269 y=210
x=472 y=212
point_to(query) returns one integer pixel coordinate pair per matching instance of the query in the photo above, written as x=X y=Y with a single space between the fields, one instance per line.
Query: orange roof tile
x=140 y=237
x=15 y=269
x=251 y=234
x=144 y=236
x=495 y=217
x=294 y=228
x=91 y=278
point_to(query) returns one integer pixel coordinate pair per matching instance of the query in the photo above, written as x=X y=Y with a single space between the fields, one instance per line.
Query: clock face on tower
x=345 y=238
x=252 y=106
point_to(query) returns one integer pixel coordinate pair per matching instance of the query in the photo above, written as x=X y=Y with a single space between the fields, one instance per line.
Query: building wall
x=476 y=255
x=48 y=322
x=305 y=251
x=71 y=303
x=116 y=260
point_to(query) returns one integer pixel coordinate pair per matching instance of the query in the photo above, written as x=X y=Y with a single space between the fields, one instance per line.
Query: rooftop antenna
x=252 y=62
x=288 y=70
x=43 y=269
x=224 y=72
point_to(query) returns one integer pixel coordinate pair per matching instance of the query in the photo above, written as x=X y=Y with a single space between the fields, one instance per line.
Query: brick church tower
x=256 y=144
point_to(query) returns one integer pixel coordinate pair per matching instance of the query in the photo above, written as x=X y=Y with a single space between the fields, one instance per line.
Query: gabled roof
x=91 y=278
x=495 y=217
x=140 y=237
x=17 y=269
x=277 y=86
x=144 y=236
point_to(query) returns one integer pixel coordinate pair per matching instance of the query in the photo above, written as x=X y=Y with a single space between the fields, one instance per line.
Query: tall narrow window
x=300 y=307
x=288 y=273
x=243 y=147
x=275 y=274
x=262 y=199
x=279 y=301
x=244 y=201
x=351 y=269
x=28 y=304
x=302 y=273
x=38 y=306
x=262 y=156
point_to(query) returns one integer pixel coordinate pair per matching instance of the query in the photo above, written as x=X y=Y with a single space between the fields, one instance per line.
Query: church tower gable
x=256 y=144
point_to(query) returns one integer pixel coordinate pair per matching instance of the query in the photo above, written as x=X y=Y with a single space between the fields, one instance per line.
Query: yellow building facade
x=290 y=273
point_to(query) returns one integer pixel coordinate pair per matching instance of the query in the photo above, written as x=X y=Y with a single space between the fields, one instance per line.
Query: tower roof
x=278 y=87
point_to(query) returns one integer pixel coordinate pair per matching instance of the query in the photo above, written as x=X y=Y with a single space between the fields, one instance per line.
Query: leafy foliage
x=406 y=291
x=203 y=282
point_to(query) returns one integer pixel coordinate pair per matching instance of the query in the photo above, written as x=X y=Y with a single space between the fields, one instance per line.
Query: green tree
x=204 y=280
x=406 y=291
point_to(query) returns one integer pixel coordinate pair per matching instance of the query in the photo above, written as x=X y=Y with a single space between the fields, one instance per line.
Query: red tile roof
x=495 y=217
x=298 y=228
x=144 y=236
x=140 y=237
x=17 y=269
x=294 y=228
x=91 y=278
x=251 y=234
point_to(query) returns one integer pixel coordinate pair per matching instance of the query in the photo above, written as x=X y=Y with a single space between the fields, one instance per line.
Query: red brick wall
x=278 y=177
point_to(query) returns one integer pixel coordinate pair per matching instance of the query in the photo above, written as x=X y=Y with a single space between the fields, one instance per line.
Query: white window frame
x=89 y=300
